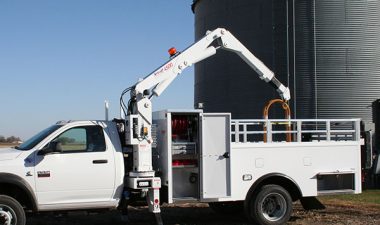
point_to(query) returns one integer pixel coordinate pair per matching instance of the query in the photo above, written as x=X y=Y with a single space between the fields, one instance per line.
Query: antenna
x=106 y=108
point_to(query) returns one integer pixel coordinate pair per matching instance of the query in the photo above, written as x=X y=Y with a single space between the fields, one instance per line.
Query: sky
x=60 y=60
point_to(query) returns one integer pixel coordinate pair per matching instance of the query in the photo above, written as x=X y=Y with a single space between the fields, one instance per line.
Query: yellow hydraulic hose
x=286 y=108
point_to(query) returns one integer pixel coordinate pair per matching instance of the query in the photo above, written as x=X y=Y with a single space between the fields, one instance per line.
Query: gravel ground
x=200 y=214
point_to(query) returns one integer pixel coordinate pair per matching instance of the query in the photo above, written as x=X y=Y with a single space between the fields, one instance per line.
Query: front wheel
x=11 y=212
x=270 y=205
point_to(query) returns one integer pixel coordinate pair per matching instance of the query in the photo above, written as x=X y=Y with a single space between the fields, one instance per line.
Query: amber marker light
x=145 y=131
x=172 y=51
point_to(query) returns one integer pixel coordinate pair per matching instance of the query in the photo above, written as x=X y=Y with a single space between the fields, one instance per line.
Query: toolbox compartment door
x=215 y=156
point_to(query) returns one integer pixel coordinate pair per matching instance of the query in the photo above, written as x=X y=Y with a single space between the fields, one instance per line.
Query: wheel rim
x=7 y=215
x=273 y=207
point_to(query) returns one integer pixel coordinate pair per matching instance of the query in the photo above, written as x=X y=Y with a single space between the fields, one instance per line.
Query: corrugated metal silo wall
x=358 y=43
x=334 y=57
x=343 y=41
x=337 y=49
x=224 y=83
x=303 y=60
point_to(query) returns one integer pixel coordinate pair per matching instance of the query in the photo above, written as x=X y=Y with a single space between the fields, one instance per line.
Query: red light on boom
x=172 y=51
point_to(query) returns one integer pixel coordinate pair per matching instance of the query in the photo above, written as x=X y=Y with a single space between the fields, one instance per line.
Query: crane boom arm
x=231 y=43
x=161 y=78
x=139 y=117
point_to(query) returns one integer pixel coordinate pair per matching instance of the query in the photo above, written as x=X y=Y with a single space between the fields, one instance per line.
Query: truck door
x=215 y=156
x=83 y=172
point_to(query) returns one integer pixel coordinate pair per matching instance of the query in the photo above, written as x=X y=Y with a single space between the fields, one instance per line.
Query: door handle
x=100 y=161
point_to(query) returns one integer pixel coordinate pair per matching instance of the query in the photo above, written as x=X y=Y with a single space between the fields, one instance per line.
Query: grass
x=367 y=197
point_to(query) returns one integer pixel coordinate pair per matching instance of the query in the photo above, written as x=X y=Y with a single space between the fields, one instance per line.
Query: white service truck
x=182 y=155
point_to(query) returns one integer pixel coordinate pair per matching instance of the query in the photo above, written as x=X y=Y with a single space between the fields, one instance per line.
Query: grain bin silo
x=224 y=82
x=328 y=52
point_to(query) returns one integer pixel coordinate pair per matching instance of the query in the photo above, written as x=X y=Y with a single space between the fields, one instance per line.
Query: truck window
x=82 y=139
x=33 y=141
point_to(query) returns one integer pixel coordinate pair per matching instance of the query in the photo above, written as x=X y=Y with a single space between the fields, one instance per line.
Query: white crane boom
x=160 y=79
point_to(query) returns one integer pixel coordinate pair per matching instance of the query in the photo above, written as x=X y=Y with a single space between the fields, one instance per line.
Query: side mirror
x=52 y=147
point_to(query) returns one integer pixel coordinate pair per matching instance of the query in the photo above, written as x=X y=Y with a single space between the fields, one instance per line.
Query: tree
x=11 y=139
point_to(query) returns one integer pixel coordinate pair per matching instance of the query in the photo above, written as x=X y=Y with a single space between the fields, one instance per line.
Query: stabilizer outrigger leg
x=153 y=199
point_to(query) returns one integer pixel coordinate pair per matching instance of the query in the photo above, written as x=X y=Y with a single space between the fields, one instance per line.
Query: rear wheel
x=270 y=205
x=11 y=212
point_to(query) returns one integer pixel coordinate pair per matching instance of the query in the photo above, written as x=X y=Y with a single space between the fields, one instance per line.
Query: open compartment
x=185 y=155
x=178 y=148
x=194 y=154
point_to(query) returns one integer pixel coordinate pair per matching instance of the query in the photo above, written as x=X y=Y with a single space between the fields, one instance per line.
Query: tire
x=227 y=207
x=11 y=212
x=270 y=205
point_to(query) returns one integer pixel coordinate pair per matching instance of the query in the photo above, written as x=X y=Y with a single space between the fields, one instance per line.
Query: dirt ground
x=6 y=145
x=200 y=214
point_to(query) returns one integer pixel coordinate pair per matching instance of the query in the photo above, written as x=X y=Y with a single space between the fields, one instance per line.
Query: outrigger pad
x=310 y=203
x=158 y=219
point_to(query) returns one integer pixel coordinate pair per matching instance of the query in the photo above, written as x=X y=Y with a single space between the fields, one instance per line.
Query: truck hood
x=9 y=153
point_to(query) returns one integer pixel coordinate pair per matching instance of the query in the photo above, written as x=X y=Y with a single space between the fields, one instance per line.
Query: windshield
x=33 y=141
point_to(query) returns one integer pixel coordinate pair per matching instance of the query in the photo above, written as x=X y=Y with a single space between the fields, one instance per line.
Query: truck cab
x=69 y=165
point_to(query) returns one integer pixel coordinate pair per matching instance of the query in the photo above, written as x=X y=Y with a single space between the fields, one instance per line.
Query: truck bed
x=219 y=159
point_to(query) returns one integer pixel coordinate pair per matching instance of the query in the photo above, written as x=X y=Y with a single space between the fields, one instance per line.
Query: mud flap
x=310 y=203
